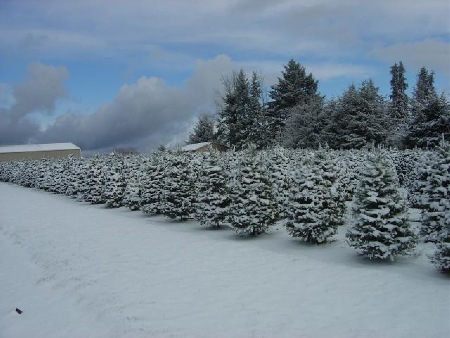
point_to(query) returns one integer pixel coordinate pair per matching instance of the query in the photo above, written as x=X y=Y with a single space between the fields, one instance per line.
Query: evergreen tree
x=399 y=98
x=233 y=116
x=95 y=181
x=349 y=164
x=279 y=165
x=77 y=177
x=313 y=212
x=70 y=167
x=28 y=176
x=436 y=202
x=441 y=257
x=252 y=209
x=294 y=88
x=332 y=168
x=152 y=183
x=360 y=117
x=178 y=196
x=212 y=195
x=114 y=188
x=56 y=176
x=382 y=229
x=424 y=89
x=133 y=175
x=83 y=180
x=398 y=107
x=43 y=170
x=203 y=130
x=330 y=134
x=430 y=114
x=242 y=120
x=305 y=125
x=422 y=171
x=257 y=124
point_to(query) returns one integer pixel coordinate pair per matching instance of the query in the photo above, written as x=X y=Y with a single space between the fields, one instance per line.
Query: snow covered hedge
x=251 y=190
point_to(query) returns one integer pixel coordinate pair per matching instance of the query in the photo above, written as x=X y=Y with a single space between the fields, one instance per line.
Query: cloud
x=147 y=107
x=13 y=131
x=431 y=53
x=140 y=33
x=145 y=113
x=327 y=71
x=40 y=91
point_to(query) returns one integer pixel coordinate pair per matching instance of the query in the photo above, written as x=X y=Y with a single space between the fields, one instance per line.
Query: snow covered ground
x=78 y=270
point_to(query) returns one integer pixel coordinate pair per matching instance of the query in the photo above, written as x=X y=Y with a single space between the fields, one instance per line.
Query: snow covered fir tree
x=382 y=229
x=133 y=174
x=152 y=183
x=178 y=195
x=95 y=180
x=437 y=217
x=436 y=196
x=279 y=162
x=212 y=192
x=313 y=213
x=252 y=208
x=115 y=184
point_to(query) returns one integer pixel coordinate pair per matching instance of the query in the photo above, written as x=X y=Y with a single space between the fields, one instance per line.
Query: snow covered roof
x=195 y=146
x=23 y=148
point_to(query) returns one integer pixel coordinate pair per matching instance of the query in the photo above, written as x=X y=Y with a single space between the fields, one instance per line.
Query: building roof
x=195 y=146
x=23 y=148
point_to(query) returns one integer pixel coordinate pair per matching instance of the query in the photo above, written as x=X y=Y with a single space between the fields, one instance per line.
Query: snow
x=38 y=147
x=80 y=270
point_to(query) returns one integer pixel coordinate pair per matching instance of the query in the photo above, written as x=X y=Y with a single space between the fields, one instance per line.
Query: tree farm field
x=80 y=270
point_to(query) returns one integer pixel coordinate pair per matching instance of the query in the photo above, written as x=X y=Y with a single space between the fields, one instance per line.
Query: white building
x=38 y=151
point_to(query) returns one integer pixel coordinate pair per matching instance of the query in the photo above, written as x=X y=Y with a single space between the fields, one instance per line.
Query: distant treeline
x=296 y=115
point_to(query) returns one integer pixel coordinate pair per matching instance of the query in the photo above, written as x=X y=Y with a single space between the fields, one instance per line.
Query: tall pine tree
x=430 y=114
x=399 y=98
x=360 y=118
x=233 y=118
x=294 y=88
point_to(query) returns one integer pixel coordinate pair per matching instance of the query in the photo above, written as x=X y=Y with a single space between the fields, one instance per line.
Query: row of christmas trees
x=251 y=190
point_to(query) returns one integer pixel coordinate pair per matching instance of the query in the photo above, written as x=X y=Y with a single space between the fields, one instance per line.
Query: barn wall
x=214 y=146
x=37 y=155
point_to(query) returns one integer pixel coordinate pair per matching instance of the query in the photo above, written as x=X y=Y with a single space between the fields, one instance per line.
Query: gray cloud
x=40 y=91
x=16 y=131
x=143 y=114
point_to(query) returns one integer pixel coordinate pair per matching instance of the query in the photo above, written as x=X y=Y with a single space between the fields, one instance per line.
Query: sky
x=137 y=73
